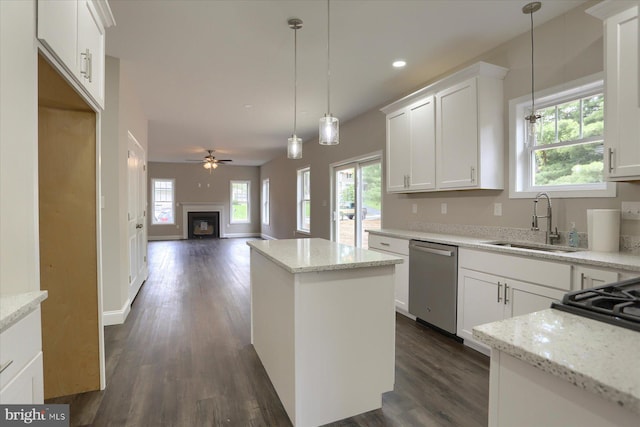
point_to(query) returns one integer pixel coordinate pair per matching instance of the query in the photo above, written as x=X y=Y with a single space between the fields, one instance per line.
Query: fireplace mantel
x=202 y=207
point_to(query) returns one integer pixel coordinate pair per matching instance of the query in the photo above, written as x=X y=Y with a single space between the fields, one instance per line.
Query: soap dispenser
x=574 y=240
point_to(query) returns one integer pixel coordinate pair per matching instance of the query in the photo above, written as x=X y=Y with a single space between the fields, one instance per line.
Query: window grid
x=304 y=200
x=265 y=202
x=240 y=209
x=163 y=201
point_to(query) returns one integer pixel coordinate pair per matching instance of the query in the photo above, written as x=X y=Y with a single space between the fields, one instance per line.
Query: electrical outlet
x=414 y=208
x=497 y=209
x=443 y=208
x=631 y=211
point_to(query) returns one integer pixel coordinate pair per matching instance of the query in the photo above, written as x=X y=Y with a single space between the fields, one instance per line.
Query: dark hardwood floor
x=184 y=358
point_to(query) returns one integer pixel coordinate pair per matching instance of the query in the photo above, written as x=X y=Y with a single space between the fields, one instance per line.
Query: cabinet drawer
x=389 y=244
x=19 y=345
x=546 y=273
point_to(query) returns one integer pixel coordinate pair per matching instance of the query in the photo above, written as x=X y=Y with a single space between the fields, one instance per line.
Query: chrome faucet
x=550 y=235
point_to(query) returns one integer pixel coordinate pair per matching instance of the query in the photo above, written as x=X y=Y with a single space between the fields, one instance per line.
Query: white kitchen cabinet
x=448 y=135
x=21 y=376
x=410 y=147
x=399 y=248
x=485 y=298
x=493 y=286
x=73 y=31
x=622 y=90
x=589 y=277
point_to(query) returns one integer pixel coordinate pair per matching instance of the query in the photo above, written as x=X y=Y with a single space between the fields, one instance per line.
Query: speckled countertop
x=592 y=355
x=307 y=255
x=614 y=260
x=15 y=307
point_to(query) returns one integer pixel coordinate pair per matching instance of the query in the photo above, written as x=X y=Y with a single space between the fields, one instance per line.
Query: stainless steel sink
x=534 y=246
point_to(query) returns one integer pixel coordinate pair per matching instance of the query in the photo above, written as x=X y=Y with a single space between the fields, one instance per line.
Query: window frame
x=520 y=159
x=266 y=194
x=300 y=199
x=153 y=200
x=231 y=219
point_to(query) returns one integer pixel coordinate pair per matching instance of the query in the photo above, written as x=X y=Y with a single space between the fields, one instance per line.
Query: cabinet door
x=398 y=151
x=457 y=136
x=479 y=301
x=622 y=100
x=524 y=298
x=57 y=29
x=401 y=281
x=585 y=277
x=422 y=121
x=90 y=59
x=27 y=386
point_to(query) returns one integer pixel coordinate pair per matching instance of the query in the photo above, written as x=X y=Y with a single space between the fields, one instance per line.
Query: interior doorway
x=357 y=199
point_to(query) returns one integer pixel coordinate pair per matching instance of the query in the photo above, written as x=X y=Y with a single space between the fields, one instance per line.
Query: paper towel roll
x=603 y=229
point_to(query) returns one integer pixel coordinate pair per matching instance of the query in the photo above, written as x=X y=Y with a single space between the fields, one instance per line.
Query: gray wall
x=567 y=48
x=195 y=184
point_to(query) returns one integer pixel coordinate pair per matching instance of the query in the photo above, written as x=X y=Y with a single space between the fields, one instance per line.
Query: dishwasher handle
x=431 y=250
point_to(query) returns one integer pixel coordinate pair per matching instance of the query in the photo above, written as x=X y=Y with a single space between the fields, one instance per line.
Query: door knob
x=138 y=225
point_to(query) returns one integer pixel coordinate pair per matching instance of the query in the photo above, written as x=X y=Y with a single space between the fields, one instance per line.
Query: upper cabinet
x=448 y=135
x=622 y=97
x=73 y=32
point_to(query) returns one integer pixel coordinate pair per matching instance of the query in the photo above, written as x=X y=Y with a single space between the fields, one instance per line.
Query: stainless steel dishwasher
x=433 y=284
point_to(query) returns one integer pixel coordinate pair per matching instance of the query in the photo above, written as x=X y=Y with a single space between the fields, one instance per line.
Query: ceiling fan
x=210 y=162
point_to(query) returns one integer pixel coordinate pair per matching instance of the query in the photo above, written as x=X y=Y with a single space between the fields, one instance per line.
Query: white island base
x=325 y=338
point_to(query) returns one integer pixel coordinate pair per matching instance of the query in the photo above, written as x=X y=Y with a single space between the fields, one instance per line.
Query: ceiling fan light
x=214 y=165
x=207 y=165
x=294 y=147
x=329 y=130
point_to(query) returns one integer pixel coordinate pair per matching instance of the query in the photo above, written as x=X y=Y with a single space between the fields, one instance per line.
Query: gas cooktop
x=615 y=303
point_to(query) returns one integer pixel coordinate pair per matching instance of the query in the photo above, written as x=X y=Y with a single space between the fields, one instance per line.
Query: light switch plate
x=497 y=209
x=414 y=208
x=443 y=208
x=631 y=211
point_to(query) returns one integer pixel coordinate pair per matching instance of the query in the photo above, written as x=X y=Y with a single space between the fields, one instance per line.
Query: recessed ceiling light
x=399 y=63
x=247 y=106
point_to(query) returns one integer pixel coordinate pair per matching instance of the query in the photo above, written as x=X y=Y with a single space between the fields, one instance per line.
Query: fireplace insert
x=204 y=225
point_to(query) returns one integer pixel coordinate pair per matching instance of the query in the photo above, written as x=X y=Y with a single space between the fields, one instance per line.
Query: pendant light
x=294 y=144
x=533 y=118
x=329 y=125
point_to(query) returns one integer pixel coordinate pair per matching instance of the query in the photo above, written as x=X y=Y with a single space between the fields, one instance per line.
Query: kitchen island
x=323 y=325
x=552 y=368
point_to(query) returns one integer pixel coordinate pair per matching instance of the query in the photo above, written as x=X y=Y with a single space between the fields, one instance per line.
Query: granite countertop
x=15 y=307
x=615 y=260
x=308 y=255
x=592 y=355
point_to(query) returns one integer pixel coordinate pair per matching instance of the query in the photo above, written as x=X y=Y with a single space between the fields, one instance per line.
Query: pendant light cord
x=295 y=77
x=328 y=58
x=533 y=110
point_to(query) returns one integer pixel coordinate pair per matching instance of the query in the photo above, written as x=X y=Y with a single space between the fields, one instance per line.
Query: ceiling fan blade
x=225 y=160
x=189 y=160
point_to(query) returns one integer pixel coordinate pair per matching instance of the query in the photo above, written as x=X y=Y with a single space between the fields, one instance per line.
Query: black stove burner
x=616 y=303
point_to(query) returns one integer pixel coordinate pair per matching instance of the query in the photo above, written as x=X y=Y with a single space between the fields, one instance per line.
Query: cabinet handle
x=581 y=280
x=408 y=181
x=473 y=173
x=499 y=286
x=610 y=151
x=506 y=293
x=385 y=244
x=5 y=366
x=86 y=56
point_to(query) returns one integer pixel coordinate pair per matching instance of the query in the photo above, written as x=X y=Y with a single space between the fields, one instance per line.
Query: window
x=240 y=202
x=265 y=201
x=567 y=157
x=162 y=202
x=304 y=200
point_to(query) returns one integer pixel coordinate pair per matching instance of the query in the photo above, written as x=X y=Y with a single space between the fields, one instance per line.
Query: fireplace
x=203 y=225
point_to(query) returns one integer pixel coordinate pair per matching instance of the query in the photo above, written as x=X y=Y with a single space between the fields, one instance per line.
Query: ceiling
x=219 y=74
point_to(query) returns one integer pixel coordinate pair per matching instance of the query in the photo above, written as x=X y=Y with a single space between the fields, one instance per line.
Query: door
x=480 y=300
x=457 y=136
x=423 y=145
x=357 y=201
x=398 y=151
x=137 y=189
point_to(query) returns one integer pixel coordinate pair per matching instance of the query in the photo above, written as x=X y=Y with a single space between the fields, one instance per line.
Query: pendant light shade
x=533 y=118
x=294 y=144
x=329 y=128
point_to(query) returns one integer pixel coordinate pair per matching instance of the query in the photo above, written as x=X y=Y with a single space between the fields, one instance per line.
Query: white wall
x=19 y=258
x=122 y=113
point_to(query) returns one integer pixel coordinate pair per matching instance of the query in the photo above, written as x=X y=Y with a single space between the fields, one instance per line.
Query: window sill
x=609 y=191
x=306 y=233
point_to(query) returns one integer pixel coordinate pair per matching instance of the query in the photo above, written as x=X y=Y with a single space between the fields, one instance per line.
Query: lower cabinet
x=485 y=298
x=398 y=248
x=588 y=277
x=21 y=374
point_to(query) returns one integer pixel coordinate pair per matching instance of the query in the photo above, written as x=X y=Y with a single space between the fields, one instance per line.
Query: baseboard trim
x=267 y=237
x=156 y=238
x=117 y=317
